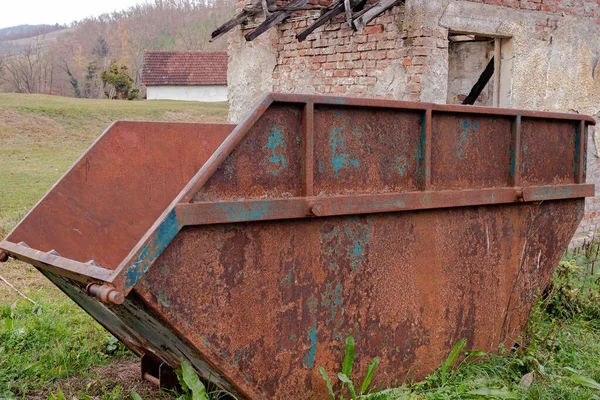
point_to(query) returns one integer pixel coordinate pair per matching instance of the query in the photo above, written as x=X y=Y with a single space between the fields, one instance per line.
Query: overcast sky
x=33 y=12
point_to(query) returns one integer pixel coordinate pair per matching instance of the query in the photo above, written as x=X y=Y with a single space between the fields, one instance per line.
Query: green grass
x=45 y=346
x=40 y=344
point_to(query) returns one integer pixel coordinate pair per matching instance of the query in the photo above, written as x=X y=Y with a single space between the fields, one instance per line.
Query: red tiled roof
x=184 y=68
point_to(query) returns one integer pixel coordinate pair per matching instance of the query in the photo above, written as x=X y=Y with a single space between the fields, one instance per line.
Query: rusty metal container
x=254 y=250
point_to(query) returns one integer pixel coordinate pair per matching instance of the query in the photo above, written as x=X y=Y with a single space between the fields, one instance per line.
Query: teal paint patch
x=465 y=136
x=162 y=299
x=275 y=162
x=150 y=252
x=395 y=203
x=523 y=158
x=320 y=166
x=333 y=100
x=360 y=235
x=350 y=242
x=400 y=164
x=288 y=280
x=229 y=167
x=333 y=299
x=250 y=212
x=340 y=159
x=309 y=359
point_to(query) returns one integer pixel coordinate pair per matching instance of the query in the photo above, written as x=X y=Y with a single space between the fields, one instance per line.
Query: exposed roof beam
x=362 y=20
x=483 y=80
x=274 y=19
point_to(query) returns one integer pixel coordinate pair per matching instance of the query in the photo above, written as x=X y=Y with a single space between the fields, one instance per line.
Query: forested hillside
x=69 y=62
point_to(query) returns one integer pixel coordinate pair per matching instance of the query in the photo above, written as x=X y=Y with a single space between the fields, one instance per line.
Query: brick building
x=547 y=57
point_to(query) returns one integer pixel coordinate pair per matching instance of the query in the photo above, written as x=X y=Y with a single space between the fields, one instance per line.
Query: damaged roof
x=184 y=68
x=358 y=13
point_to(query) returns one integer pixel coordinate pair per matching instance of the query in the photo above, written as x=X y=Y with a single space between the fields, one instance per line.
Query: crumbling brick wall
x=403 y=54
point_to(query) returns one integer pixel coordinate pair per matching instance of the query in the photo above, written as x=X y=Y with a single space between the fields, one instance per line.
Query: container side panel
x=548 y=151
x=267 y=163
x=140 y=329
x=270 y=302
x=367 y=150
x=112 y=196
x=470 y=151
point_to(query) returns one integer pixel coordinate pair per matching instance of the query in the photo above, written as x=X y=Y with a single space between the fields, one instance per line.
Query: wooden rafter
x=356 y=15
x=483 y=80
x=360 y=21
x=241 y=17
x=274 y=19
x=335 y=9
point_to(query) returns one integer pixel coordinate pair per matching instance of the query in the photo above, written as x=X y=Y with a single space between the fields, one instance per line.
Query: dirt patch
x=119 y=377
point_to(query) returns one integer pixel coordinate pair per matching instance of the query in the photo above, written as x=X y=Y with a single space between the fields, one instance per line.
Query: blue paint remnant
x=158 y=242
x=249 y=212
x=162 y=299
x=229 y=166
x=339 y=158
x=465 y=136
x=333 y=299
x=288 y=280
x=333 y=100
x=395 y=203
x=350 y=242
x=524 y=157
x=309 y=359
x=320 y=166
x=360 y=234
x=400 y=164
x=276 y=145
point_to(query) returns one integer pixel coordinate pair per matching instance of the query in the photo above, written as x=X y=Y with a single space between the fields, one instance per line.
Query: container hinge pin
x=105 y=293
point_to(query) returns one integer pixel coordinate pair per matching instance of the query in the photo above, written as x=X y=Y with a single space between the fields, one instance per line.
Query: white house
x=186 y=75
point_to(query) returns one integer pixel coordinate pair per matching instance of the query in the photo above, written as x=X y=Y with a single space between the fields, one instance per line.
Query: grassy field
x=49 y=343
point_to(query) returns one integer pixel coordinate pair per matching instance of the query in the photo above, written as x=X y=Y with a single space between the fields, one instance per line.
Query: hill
x=26 y=31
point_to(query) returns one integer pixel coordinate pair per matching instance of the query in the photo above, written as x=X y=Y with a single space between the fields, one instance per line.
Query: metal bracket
x=158 y=372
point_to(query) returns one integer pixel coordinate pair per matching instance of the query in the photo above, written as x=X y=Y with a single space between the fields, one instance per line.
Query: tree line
x=103 y=56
